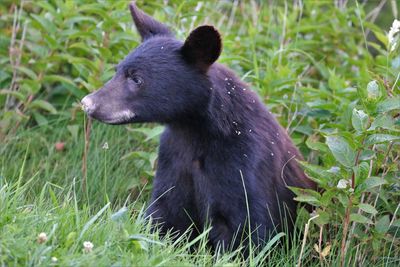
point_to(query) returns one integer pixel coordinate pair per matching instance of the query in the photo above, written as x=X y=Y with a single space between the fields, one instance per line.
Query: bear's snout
x=87 y=104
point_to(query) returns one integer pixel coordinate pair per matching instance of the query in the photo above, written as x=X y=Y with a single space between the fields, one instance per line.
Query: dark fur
x=219 y=141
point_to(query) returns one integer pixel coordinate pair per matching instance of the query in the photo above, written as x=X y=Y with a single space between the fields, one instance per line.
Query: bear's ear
x=146 y=25
x=202 y=47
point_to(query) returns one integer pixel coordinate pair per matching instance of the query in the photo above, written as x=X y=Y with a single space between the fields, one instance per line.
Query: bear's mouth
x=119 y=117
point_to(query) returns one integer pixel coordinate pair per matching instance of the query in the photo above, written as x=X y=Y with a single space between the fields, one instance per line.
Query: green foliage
x=326 y=71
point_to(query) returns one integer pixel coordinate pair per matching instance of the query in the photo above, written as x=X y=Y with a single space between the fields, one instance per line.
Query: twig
x=87 y=127
x=371 y=163
x=321 y=228
x=394 y=215
x=374 y=14
x=345 y=240
x=283 y=33
x=395 y=82
x=345 y=230
x=13 y=54
x=307 y=226
x=384 y=172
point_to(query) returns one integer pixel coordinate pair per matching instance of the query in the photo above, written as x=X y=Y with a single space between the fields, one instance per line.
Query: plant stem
x=345 y=230
x=84 y=157
x=305 y=238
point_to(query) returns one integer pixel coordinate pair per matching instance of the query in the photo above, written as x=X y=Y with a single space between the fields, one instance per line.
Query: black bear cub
x=224 y=161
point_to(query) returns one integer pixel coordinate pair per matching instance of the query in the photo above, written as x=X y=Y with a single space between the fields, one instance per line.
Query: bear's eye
x=132 y=76
x=136 y=80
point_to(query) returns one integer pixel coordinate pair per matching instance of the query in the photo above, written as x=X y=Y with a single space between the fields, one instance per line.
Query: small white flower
x=42 y=238
x=392 y=32
x=54 y=259
x=105 y=146
x=342 y=183
x=87 y=246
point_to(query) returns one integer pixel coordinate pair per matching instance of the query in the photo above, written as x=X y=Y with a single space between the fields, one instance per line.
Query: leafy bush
x=328 y=73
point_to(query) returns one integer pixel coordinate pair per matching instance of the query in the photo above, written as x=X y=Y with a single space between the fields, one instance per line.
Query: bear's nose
x=87 y=104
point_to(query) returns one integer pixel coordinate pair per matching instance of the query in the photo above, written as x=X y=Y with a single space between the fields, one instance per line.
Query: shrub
x=329 y=74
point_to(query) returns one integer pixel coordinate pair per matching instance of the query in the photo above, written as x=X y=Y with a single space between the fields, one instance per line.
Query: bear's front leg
x=222 y=234
x=171 y=207
x=221 y=204
x=227 y=201
x=230 y=230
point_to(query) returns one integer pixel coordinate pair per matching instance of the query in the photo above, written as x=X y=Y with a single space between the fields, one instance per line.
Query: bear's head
x=163 y=80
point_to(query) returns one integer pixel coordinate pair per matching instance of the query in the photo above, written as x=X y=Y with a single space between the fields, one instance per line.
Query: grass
x=40 y=191
x=312 y=65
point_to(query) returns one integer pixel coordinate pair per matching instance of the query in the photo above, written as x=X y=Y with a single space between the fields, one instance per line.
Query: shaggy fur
x=222 y=150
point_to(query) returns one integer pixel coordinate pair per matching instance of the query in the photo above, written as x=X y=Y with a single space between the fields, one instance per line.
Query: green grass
x=314 y=64
x=40 y=191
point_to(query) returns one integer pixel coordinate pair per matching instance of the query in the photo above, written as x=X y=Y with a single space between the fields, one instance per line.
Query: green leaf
x=389 y=104
x=143 y=238
x=315 y=145
x=150 y=133
x=58 y=78
x=323 y=218
x=381 y=37
x=396 y=223
x=343 y=199
x=382 y=225
x=45 y=24
x=41 y=104
x=119 y=214
x=327 y=197
x=94 y=9
x=71 y=238
x=152 y=158
x=93 y=219
x=370 y=183
x=307 y=198
x=30 y=87
x=335 y=82
x=359 y=119
x=17 y=95
x=341 y=150
x=361 y=172
x=83 y=46
x=306 y=195
x=367 y=154
x=28 y=72
x=383 y=121
x=271 y=243
x=355 y=217
x=303 y=191
x=315 y=172
x=367 y=208
x=380 y=138
x=40 y=119
x=74 y=130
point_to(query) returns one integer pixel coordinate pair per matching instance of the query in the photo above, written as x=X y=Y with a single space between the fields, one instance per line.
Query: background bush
x=324 y=68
